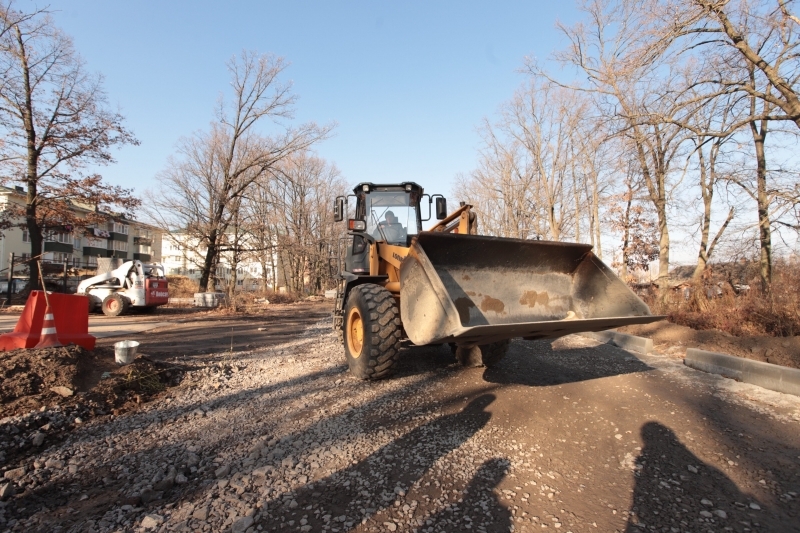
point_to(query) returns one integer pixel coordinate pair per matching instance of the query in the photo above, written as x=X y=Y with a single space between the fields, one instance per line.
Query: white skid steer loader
x=132 y=285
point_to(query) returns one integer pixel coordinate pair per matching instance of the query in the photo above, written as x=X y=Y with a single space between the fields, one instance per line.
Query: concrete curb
x=623 y=340
x=773 y=377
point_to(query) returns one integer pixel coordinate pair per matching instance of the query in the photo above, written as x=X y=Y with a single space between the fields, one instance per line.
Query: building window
x=91 y=260
x=76 y=242
x=25 y=236
x=118 y=227
x=119 y=246
x=64 y=238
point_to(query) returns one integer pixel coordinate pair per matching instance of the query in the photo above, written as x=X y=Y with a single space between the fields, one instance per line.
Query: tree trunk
x=663 y=242
x=208 y=263
x=762 y=200
x=707 y=192
x=32 y=168
x=626 y=237
x=598 y=249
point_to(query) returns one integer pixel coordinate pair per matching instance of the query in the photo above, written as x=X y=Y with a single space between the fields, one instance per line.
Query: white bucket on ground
x=125 y=352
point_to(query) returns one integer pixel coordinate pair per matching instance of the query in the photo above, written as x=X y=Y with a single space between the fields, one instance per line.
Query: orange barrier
x=71 y=312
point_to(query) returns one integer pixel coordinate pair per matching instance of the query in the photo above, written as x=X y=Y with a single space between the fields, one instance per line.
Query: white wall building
x=182 y=255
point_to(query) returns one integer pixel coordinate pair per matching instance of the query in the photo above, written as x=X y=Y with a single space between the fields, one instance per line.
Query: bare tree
x=759 y=36
x=628 y=216
x=226 y=161
x=634 y=91
x=710 y=152
x=55 y=122
x=262 y=216
x=302 y=193
x=531 y=182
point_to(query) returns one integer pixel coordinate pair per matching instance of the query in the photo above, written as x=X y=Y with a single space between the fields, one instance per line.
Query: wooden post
x=44 y=287
x=65 y=277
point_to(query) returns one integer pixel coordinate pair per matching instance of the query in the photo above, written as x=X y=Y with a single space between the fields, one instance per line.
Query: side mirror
x=338 y=209
x=441 y=208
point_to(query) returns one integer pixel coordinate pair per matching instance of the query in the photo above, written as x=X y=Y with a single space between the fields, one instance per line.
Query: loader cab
x=390 y=213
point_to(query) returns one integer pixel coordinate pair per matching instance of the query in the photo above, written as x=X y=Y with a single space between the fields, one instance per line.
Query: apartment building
x=119 y=237
x=183 y=255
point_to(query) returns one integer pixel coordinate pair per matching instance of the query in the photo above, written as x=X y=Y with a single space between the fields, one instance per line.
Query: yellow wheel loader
x=448 y=285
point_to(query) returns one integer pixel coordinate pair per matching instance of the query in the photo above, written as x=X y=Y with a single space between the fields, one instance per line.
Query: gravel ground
x=572 y=436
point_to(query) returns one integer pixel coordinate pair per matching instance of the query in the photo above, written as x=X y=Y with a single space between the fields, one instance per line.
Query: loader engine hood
x=475 y=290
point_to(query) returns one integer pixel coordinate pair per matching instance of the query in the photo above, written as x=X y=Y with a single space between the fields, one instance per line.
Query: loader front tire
x=115 y=305
x=372 y=332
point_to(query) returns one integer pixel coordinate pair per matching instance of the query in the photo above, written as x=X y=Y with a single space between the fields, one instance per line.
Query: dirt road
x=572 y=436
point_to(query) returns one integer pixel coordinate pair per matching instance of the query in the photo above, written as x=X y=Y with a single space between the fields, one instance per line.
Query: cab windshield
x=390 y=216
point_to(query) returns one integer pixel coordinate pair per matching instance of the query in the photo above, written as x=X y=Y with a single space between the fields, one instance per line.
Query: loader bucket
x=473 y=290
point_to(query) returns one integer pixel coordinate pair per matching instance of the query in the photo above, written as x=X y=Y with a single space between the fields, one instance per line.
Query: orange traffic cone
x=49 y=336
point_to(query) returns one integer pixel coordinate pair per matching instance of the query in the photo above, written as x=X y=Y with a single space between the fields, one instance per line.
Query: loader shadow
x=546 y=363
x=55 y=504
x=668 y=495
x=368 y=489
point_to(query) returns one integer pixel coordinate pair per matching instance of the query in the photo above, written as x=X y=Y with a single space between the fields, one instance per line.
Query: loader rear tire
x=487 y=355
x=94 y=303
x=494 y=352
x=372 y=332
x=115 y=305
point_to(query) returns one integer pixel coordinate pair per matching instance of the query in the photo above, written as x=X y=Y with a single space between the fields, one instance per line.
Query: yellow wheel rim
x=355 y=332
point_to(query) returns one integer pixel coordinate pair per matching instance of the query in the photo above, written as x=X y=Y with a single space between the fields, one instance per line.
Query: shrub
x=720 y=306
x=182 y=287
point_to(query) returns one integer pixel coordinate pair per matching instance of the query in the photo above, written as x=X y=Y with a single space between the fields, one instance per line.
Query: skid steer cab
x=134 y=285
x=449 y=285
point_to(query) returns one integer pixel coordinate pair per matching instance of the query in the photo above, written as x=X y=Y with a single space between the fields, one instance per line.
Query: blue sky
x=408 y=83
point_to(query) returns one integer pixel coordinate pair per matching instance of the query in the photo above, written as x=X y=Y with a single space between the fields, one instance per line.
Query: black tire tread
x=385 y=328
x=494 y=352
x=124 y=307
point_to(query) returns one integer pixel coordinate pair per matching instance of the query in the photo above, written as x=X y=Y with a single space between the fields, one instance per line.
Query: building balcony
x=142 y=257
x=91 y=251
x=57 y=247
x=143 y=241
x=121 y=237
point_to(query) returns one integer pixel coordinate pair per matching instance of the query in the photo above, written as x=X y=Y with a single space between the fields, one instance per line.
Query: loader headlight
x=356 y=225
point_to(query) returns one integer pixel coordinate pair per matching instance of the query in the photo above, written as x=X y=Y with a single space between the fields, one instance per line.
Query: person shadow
x=676 y=491
x=376 y=487
x=480 y=509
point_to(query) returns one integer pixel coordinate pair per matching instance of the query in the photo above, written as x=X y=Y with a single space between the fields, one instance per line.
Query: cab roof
x=404 y=186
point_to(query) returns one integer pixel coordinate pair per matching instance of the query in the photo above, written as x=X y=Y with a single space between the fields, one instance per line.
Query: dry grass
x=255 y=301
x=182 y=287
x=748 y=313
